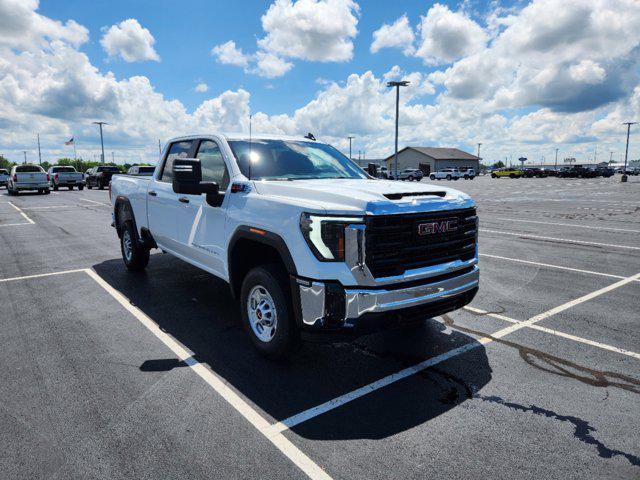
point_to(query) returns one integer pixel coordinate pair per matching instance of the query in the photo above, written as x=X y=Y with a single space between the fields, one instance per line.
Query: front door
x=201 y=226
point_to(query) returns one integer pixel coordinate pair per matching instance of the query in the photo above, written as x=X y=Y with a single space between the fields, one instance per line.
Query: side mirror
x=187 y=175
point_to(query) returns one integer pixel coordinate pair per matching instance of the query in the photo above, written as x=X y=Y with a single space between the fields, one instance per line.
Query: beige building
x=431 y=159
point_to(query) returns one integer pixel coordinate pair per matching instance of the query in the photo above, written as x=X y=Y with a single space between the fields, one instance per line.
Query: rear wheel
x=70 y=187
x=135 y=256
x=432 y=177
x=88 y=185
x=411 y=178
x=100 y=186
x=47 y=191
x=55 y=187
x=81 y=187
x=493 y=175
x=448 y=177
x=267 y=314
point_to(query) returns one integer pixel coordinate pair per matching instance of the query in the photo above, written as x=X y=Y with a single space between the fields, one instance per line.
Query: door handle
x=152 y=193
x=183 y=200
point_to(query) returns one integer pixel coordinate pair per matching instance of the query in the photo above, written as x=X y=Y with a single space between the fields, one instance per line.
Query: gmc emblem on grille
x=443 y=226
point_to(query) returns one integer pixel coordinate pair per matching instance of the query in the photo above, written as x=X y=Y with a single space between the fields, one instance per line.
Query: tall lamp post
x=350 y=137
x=626 y=152
x=100 y=124
x=401 y=83
x=556 y=167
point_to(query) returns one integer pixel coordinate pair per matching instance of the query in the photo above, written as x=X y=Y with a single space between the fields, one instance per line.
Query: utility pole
x=556 y=167
x=100 y=124
x=595 y=155
x=113 y=158
x=626 y=152
x=25 y=156
x=402 y=83
x=479 y=151
x=350 y=137
x=611 y=157
x=39 y=154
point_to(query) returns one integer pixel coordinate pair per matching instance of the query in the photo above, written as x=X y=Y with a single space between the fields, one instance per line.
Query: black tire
x=448 y=177
x=88 y=185
x=512 y=175
x=70 y=187
x=411 y=178
x=273 y=280
x=493 y=175
x=100 y=186
x=134 y=255
x=55 y=187
x=80 y=188
x=432 y=177
x=47 y=191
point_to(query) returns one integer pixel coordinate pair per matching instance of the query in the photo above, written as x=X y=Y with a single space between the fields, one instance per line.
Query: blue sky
x=522 y=78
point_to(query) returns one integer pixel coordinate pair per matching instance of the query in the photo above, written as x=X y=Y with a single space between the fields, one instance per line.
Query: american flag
x=69 y=142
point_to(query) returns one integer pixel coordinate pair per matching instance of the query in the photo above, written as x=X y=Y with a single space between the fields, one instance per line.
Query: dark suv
x=100 y=177
x=531 y=172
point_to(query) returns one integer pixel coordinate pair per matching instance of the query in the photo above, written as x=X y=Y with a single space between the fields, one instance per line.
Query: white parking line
x=590 y=227
x=564 y=240
x=293 y=453
x=51 y=207
x=40 y=275
x=557 y=333
x=549 y=265
x=372 y=387
x=93 y=201
x=22 y=213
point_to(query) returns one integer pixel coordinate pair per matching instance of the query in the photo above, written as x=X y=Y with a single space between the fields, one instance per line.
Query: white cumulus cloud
x=228 y=54
x=201 y=87
x=131 y=41
x=446 y=36
x=397 y=35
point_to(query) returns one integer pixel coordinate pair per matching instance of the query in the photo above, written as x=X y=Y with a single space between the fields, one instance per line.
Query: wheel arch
x=250 y=247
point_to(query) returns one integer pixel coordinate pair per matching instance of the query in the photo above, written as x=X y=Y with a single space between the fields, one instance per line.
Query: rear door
x=201 y=226
x=162 y=201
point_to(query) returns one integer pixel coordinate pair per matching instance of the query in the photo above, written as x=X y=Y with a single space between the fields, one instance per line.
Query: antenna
x=250 y=146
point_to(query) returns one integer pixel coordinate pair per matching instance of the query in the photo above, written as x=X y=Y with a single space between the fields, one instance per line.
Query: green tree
x=4 y=163
x=498 y=164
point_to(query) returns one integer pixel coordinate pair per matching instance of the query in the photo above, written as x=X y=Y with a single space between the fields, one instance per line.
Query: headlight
x=325 y=235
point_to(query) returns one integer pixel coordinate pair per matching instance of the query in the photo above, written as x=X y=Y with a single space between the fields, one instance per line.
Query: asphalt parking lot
x=108 y=374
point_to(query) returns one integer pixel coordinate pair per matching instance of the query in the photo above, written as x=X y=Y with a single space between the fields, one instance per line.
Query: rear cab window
x=29 y=169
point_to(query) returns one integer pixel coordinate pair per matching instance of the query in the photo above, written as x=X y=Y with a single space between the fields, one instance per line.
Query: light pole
x=100 y=124
x=39 y=154
x=479 y=144
x=626 y=152
x=350 y=137
x=401 y=83
x=556 y=167
x=25 y=156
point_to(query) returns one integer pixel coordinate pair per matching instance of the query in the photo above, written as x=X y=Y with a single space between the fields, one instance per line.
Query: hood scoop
x=400 y=196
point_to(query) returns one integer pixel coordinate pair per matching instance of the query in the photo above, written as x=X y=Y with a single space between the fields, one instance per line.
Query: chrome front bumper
x=360 y=301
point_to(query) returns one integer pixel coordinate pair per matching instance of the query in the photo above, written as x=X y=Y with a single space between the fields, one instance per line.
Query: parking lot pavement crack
x=583 y=431
x=559 y=366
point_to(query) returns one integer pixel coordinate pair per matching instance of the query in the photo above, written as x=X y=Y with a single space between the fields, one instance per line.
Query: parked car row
x=574 y=171
x=34 y=177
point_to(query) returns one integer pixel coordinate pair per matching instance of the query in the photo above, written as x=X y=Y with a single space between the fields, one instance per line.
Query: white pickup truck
x=309 y=244
x=27 y=177
x=4 y=177
x=65 y=176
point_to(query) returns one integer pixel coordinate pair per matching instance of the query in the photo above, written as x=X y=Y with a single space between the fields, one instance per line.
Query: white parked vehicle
x=309 y=244
x=446 y=174
x=27 y=177
x=4 y=177
x=65 y=176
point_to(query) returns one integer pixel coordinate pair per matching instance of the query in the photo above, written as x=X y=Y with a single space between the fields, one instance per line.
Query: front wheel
x=70 y=187
x=411 y=178
x=267 y=315
x=448 y=177
x=55 y=187
x=135 y=256
x=80 y=188
x=432 y=177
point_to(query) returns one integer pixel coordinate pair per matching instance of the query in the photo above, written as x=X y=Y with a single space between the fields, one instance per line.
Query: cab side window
x=212 y=163
x=177 y=150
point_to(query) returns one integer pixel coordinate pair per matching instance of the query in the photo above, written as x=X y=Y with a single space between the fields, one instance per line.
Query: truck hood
x=354 y=196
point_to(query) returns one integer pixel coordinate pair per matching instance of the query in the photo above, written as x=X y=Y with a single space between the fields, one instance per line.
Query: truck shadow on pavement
x=198 y=310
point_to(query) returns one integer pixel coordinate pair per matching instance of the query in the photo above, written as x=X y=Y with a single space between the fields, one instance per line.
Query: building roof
x=441 y=153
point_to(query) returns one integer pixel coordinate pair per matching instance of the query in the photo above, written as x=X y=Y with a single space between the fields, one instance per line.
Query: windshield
x=108 y=169
x=3 y=172
x=292 y=160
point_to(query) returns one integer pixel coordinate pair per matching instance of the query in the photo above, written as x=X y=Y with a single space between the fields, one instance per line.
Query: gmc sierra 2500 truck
x=309 y=244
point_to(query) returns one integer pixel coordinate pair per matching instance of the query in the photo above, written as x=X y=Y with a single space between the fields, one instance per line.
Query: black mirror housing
x=187 y=175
